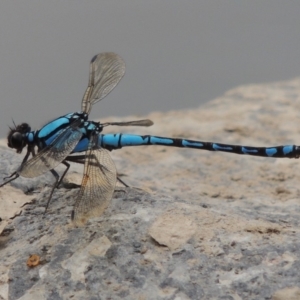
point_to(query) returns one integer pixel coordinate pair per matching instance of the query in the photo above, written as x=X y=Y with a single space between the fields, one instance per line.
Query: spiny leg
x=56 y=176
x=15 y=175
x=80 y=159
x=12 y=177
x=57 y=182
x=119 y=179
x=64 y=173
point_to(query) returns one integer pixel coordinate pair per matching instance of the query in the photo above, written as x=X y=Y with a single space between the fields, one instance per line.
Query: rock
x=173 y=229
x=289 y=293
x=193 y=225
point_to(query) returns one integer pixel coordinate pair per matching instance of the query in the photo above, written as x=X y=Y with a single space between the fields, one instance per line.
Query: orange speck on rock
x=33 y=260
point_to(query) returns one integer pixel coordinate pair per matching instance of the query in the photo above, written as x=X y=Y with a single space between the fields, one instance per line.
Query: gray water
x=179 y=54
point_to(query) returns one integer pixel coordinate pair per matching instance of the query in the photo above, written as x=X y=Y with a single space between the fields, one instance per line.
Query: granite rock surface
x=193 y=224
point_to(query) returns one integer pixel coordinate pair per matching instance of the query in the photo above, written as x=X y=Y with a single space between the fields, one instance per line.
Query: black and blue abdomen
x=117 y=141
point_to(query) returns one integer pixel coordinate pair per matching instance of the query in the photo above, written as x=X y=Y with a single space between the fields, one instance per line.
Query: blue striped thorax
x=55 y=126
x=50 y=131
x=21 y=135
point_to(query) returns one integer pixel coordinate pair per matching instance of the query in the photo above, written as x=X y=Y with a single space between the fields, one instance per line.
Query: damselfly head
x=16 y=137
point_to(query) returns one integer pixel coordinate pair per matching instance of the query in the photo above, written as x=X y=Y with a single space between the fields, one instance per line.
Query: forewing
x=97 y=187
x=52 y=155
x=145 y=122
x=106 y=70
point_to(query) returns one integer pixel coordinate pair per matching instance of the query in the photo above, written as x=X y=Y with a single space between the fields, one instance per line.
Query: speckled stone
x=193 y=225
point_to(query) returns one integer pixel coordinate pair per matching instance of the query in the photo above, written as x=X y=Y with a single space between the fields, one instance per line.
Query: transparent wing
x=106 y=70
x=52 y=155
x=145 y=122
x=97 y=187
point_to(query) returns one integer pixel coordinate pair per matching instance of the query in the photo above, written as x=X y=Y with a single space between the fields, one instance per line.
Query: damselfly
x=60 y=140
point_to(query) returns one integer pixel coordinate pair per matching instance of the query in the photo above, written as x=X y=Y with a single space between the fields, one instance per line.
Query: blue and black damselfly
x=62 y=139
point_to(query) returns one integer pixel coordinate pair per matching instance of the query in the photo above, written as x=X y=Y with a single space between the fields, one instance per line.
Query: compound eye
x=16 y=141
